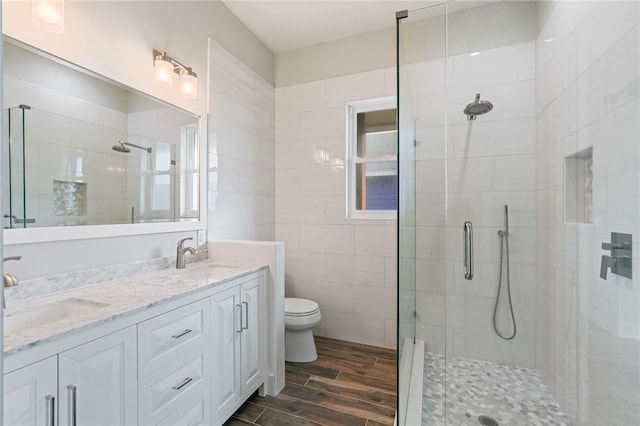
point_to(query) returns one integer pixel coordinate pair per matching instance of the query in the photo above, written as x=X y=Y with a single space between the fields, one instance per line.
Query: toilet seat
x=295 y=307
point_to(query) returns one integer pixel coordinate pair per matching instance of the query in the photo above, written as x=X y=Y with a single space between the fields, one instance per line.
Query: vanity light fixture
x=189 y=84
x=164 y=69
x=48 y=15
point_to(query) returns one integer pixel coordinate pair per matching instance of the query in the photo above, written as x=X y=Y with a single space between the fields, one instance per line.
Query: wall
x=347 y=266
x=115 y=39
x=241 y=176
x=339 y=262
x=587 y=97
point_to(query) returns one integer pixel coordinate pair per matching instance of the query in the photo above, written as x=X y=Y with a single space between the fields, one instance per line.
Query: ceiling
x=290 y=24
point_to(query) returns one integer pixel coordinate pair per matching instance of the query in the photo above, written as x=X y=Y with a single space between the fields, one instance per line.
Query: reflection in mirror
x=81 y=150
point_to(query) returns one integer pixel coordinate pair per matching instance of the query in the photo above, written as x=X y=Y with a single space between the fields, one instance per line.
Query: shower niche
x=578 y=184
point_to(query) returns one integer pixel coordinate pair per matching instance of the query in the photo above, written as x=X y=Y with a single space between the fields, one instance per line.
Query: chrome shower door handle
x=468 y=251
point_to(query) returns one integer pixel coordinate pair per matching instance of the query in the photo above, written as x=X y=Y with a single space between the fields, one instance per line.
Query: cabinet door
x=29 y=394
x=252 y=337
x=225 y=332
x=97 y=381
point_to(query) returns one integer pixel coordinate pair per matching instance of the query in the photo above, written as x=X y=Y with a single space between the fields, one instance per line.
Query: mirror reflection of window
x=189 y=176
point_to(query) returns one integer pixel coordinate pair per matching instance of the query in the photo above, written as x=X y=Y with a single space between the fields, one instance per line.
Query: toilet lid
x=299 y=307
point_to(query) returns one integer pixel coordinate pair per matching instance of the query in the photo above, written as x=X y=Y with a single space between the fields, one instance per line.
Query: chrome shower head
x=120 y=147
x=477 y=107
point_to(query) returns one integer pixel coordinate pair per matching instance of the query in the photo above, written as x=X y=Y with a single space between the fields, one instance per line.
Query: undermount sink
x=48 y=314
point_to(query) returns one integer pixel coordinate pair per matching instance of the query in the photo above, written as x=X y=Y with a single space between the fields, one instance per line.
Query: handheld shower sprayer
x=504 y=261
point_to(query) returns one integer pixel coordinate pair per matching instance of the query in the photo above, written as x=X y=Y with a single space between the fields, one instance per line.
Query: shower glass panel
x=559 y=153
x=421 y=213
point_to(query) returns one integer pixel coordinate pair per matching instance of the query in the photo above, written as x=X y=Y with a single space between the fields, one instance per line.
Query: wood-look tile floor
x=349 y=384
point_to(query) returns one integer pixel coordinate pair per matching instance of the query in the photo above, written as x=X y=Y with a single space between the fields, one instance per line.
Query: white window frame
x=353 y=108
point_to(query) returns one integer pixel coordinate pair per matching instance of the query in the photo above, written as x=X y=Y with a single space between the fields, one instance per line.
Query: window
x=372 y=166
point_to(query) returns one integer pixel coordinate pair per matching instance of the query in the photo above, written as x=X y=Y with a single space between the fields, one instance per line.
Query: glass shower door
x=548 y=328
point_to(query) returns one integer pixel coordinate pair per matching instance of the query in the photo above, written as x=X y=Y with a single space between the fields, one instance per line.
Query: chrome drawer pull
x=182 y=333
x=182 y=384
x=71 y=406
x=51 y=410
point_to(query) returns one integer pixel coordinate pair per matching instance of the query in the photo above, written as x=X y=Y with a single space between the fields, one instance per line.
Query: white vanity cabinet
x=97 y=381
x=174 y=364
x=238 y=334
x=94 y=383
x=192 y=360
x=30 y=394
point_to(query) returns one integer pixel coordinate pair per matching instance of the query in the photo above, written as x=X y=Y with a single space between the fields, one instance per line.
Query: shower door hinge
x=415 y=314
x=415 y=142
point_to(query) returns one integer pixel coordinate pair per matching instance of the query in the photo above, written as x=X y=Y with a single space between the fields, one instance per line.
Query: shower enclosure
x=560 y=153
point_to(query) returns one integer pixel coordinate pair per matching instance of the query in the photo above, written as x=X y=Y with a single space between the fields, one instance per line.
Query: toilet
x=300 y=316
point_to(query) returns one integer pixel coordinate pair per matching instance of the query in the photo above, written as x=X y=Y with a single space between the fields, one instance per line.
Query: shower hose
x=504 y=255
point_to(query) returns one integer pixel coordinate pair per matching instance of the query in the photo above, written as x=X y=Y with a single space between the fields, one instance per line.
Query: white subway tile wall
x=241 y=132
x=588 y=327
x=347 y=266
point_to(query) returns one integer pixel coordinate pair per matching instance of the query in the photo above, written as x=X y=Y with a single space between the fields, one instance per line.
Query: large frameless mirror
x=79 y=149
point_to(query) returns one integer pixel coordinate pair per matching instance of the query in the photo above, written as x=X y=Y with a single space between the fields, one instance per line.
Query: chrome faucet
x=181 y=251
x=8 y=280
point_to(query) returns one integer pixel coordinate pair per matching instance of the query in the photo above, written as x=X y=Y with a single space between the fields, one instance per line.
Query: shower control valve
x=620 y=260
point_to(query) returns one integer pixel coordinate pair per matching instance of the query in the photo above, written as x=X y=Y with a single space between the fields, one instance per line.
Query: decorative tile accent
x=457 y=391
x=69 y=198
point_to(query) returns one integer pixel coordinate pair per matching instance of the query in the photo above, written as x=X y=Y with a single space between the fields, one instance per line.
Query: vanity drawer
x=170 y=337
x=194 y=413
x=174 y=393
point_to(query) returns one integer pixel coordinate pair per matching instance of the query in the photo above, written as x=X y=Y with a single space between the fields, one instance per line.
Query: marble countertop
x=111 y=300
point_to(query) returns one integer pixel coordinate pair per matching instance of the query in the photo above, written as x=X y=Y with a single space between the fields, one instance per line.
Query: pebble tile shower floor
x=511 y=396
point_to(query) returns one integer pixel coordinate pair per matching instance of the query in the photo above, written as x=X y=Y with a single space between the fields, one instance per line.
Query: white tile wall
x=347 y=266
x=242 y=153
x=587 y=328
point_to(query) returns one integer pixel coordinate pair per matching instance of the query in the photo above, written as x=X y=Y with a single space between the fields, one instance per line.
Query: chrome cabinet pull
x=71 y=406
x=246 y=316
x=182 y=384
x=468 y=250
x=51 y=410
x=182 y=333
x=239 y=307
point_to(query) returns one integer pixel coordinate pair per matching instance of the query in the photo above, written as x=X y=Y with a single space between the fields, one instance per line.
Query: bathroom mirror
x=80 y=149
